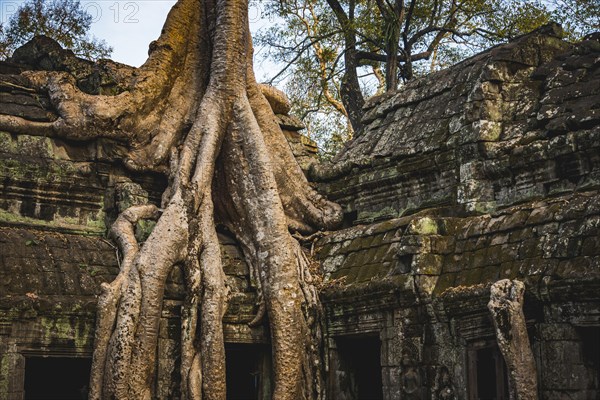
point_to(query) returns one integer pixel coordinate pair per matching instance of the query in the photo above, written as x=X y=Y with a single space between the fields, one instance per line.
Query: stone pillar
x=392 y=336
x=506 y=307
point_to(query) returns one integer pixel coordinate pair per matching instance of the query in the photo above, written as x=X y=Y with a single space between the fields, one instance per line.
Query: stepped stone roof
x=487 y=170
x=512 y=124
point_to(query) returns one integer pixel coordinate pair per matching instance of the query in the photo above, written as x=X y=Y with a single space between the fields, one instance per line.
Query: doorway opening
x=248 y=372
x=590 y=346
x=487 y=373
x=360 y=367
x=58 y=378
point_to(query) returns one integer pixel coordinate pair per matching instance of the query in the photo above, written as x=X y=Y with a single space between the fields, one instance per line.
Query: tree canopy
x=335 y=53
x=62 y=20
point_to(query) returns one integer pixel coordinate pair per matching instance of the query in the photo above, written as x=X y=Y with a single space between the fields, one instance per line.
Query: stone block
x=530 y=248
x=573 y=268
x=509 y=270
x=469 y=277
x=591 y=246
x=507 y=252
x=423 y=226
x=444 y=282
x=427 y=264
x=490 y=274
x=521 y=235
x=515 y=220
x=426 y=284
x=442 y=244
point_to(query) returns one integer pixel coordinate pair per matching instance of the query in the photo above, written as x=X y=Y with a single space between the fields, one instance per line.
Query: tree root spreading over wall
x=195 y=112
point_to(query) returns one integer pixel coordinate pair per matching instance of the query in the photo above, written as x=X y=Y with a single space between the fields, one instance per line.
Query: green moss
x=93 y=227
x=368 y=216
x=482 y=207
x=35 y=146
x=7 y=144
x=424 y=226
x=95 y=222
x=54 y=171
x=4 y=374
x=83 y=334
x=143 y=229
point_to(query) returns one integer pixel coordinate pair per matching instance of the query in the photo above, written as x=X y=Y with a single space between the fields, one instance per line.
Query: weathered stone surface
x=492 y=166
x=102 y=77
x=506 y=126
x=486 y=171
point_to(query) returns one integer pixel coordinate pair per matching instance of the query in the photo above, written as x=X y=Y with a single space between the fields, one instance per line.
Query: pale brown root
x=204 y=376
x=304 y=207
x=18 y=125
x=181 y=100
x=213 y=306
x=201 y=147
x=261 y=313
x=191 y=368
x=205 y=284
x=170 y=237
x=117 y=370
x=270 y=247
x=313 y=313
x=143 y=288
x=195 y=378
x=162 y=250
x=200 y=152
x=75 y=110
x=151 y=115
x=506 y=307
x=123 y=232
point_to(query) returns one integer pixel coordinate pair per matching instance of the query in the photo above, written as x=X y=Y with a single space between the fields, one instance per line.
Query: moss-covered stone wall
x=482 y=172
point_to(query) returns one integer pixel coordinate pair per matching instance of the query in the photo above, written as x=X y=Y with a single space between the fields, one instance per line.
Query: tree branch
x=367 y=55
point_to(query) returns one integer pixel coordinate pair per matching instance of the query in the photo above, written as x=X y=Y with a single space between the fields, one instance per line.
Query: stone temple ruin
x=468 y=266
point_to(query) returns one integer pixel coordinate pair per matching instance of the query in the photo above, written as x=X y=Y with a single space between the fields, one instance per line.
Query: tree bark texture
x=195 y=112
x=506 y=307
x=350 y=91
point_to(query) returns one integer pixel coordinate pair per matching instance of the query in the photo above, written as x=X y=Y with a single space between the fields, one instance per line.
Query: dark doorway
x=57 y=377
x=590 y=341
x=247 y=372
x=360 y=360
x=487 y=373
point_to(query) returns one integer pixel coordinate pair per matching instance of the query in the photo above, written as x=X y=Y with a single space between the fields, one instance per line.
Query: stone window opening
x=487 y=379
x=359 y=370
x=56 y=377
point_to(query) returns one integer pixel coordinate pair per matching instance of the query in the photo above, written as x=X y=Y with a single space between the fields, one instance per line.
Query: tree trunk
x=350 y=92
x=195 y=112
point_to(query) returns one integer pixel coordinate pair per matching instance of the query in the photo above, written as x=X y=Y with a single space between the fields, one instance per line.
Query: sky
x=130 y=26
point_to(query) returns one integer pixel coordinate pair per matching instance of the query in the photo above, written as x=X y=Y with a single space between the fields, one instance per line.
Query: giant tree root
x=195 y=112
x=506 y=307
